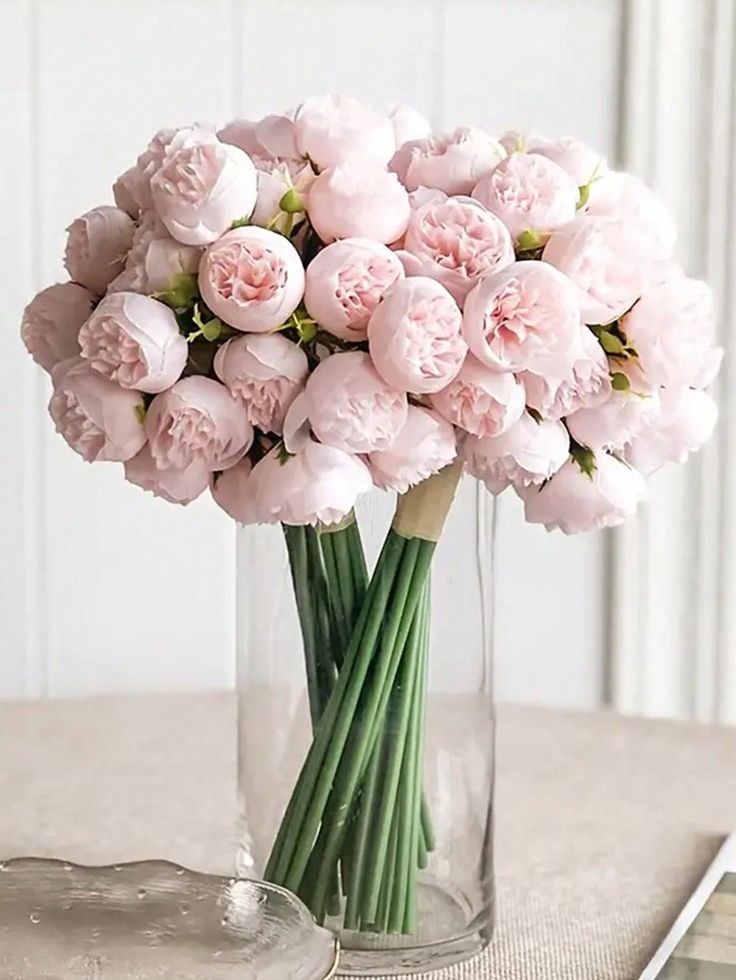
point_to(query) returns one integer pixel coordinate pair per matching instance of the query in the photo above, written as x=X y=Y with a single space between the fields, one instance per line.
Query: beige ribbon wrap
x=422 y=511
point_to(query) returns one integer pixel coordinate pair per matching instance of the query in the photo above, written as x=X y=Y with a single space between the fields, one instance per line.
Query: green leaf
x=611 y=344
x=212 y=329
x=585 y=458
x=140 y=411
x=583 y=196
x=619 y=381
x=180 y=292
x=283 y=454
x=528 y=240
x=291 y=202
x=240 y=223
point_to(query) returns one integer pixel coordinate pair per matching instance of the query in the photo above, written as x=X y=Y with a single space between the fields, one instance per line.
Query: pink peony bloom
x=577 y=159
x=672 y=329
x=137 y=179
x=684 y=423
x=125 y=192
x=525 y=455
x=177 y=486
x=529 y=193
x=197 y=422
x=526 y=317
x=613 y=424
x=453 y=164
x=98 y=419
x=351 y=407
x=96 y=247
x=155 y=259
x=242 y=133
x=318 y=485
x=51 y=322
x=252 y=278
x=265 y=372
x=425 y=445
x=358 y=199
x=605 y=260
x=585 y=383
x=233 y=492
x=408 y=123
x=628 y=199
x=575 y=502
x=457 y=241
x=346 y=281
x=202 y=187
x=334 y=128
x=414 y=336
x=274 y=181
x=480 y=400
x=134 y=341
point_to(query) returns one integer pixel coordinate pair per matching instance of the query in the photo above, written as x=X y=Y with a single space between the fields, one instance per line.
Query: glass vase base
x=443 y=939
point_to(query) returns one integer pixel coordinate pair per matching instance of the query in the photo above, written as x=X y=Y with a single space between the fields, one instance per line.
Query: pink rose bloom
x=585 y=383
x=672 y=329
x=530 y=193
x=604 y=259
x=627 y=199
x=526 y=317
x=202 y=187
x=96 y=247
x=480 y=400
x=274 y=181
x=252 y=279
x=613 y=424
x=98 y=419
x=155 y=259
x=414 y=336
x=453 y=163
x=525 y=455
x=197 y=422
x=51 y=322
x=177 y=486
x=265 y=372
x=577 y=159
x=318 y=485
x=334 y=128
x=134 y=341
x=425 y=445
x=457 y=241
x=125 y=192
x=346 y=281
x=575 y=502
x=358 y=199
x=351 y=407
x=685 y=422
x=233 y=492
x=408 y=123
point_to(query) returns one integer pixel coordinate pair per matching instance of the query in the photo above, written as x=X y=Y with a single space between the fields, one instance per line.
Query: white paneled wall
x=104 y=588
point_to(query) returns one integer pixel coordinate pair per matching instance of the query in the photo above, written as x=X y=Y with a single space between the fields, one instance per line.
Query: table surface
x=603 y=825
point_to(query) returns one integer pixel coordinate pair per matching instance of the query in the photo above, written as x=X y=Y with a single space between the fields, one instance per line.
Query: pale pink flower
x=177 y=486
x=672 y=329
x=580 y=161
x=585 y=383
x=96 y=247
x=265 y=372
x=97 y=418
x=605 y=260
x=627 y=199
x=525 y=317
x=345 y=282
x=685 y=422
x=425 y=445
x=242 y=133
x=202 y=187
x=358 y=199
x=197 y=422
x=457 y=241
x=318 y=485
x=408 y=123
x=480 y=400
x=333 y=128
x=351 y=407
x=125 y=192
x=274 y=181
x=155 y=259
x=232 y=490
x=138 y=178
x=414 y=336
x=134 y=341
x=252 y=278
x=51 y=322
x=575 y=502
x=453 y=163
x=527 y=454
x=613 y=424
x=297 y=431
x=529 y=193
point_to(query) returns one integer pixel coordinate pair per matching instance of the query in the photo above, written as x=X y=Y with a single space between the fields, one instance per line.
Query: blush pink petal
x=96 y=247
x=453 y=163
x=51 y=322
x=480 y=400
x=176 y=486
x=685 y=421
x=424 y=446
x=358 y=199
x=527 y=454
x=333 y=128
x=233 y=491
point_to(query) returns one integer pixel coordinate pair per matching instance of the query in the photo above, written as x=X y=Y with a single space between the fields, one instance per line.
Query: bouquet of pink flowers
x=290 y=312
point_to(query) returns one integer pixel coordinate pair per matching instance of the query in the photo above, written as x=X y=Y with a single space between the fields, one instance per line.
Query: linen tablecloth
x=603 y=824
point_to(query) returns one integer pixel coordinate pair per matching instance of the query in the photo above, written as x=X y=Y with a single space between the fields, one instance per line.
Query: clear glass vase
x=366 y=780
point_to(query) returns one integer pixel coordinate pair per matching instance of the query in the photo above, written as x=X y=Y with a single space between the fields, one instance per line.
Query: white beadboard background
x=104 y=589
